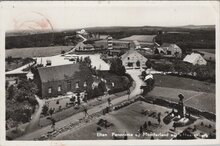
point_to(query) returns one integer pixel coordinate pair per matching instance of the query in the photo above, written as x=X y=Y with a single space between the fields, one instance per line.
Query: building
x=131 y=58
x=195 y=59
x=53 y=81
x=142 y=40
x=169 y=49
x=84 y=47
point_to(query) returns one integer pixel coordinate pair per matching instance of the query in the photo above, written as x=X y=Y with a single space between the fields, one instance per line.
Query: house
x=53 y=81
x=131 y=58
x=169 y=49
x=84 y=47
x=195 y=59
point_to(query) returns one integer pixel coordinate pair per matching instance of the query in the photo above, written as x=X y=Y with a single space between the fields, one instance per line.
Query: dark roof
x=56 y=73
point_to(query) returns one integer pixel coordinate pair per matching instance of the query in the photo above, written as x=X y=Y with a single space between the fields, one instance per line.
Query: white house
x=131 y=57
x=195 y=58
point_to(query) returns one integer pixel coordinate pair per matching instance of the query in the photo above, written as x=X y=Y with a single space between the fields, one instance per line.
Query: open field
x=36 y=52
x=194 y=99
x=205 y=50
x=183 y=83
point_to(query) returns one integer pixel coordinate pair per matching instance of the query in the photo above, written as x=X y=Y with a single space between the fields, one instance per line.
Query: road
x=20 y=69
x=134 y=74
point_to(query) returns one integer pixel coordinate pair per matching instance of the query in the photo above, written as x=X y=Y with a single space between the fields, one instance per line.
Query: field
x=183 y=83
x=205 y=50
x=195 y=99
x=37 y=52
x=208 y=54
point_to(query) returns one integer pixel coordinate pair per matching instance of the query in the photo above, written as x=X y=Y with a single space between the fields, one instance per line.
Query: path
x=134 y=74
x=35 y=118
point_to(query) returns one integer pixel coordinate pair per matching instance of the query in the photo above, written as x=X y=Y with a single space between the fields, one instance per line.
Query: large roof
x=56 y=73
x=195 y=58
x=141 y=38
x=128 y=53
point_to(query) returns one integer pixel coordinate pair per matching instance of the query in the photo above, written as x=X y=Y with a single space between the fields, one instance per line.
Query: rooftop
x=141 y=38
x=54 y=73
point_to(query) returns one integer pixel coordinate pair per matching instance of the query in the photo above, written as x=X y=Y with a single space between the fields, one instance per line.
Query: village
x=107 y=88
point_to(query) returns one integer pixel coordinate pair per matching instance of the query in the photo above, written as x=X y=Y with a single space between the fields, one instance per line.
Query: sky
x=67 y=15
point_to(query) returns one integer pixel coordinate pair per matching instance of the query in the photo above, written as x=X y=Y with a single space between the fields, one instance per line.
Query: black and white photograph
x=107 y=70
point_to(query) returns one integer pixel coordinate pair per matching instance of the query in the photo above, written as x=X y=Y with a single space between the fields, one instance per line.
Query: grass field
x=205 y=50
x=183 y=83
x=37 y=52
x=199 y=100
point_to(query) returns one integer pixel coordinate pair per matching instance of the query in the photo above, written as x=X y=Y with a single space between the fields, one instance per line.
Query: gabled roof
x=141 y=38
x=128 y=53
x=194 y=58
x=56 y=73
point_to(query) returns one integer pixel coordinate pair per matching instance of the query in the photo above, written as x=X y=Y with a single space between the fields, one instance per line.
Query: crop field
x=36 y=52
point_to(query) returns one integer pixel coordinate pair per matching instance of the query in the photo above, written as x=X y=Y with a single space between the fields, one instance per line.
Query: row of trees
x=181 y=68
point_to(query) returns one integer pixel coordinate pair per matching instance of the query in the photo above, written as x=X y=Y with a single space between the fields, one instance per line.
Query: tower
x=109 y=41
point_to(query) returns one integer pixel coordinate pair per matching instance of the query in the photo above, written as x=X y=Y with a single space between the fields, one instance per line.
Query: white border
x=4 y=6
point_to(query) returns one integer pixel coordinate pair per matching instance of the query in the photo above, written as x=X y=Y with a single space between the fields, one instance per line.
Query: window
x=59 y=88
x=50 y=90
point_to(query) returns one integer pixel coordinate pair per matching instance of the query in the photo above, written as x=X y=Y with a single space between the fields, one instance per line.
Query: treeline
x=37 y=40
x=202 y=39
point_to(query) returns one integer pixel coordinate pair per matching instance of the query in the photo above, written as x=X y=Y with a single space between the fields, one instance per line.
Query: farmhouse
x=195 y=58
x=131 y=58
x=169 y=49
x=58 y=80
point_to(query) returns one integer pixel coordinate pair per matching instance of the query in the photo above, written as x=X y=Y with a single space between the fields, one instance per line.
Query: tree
x=63 y=52
x=11 y=92
x=45 y=110
x=138 y=63
x=159 y=119
x=145 y=125
x=148 y=63
x=117 y=67
x=51 y=111
x=141 y=130
x=143 y=74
